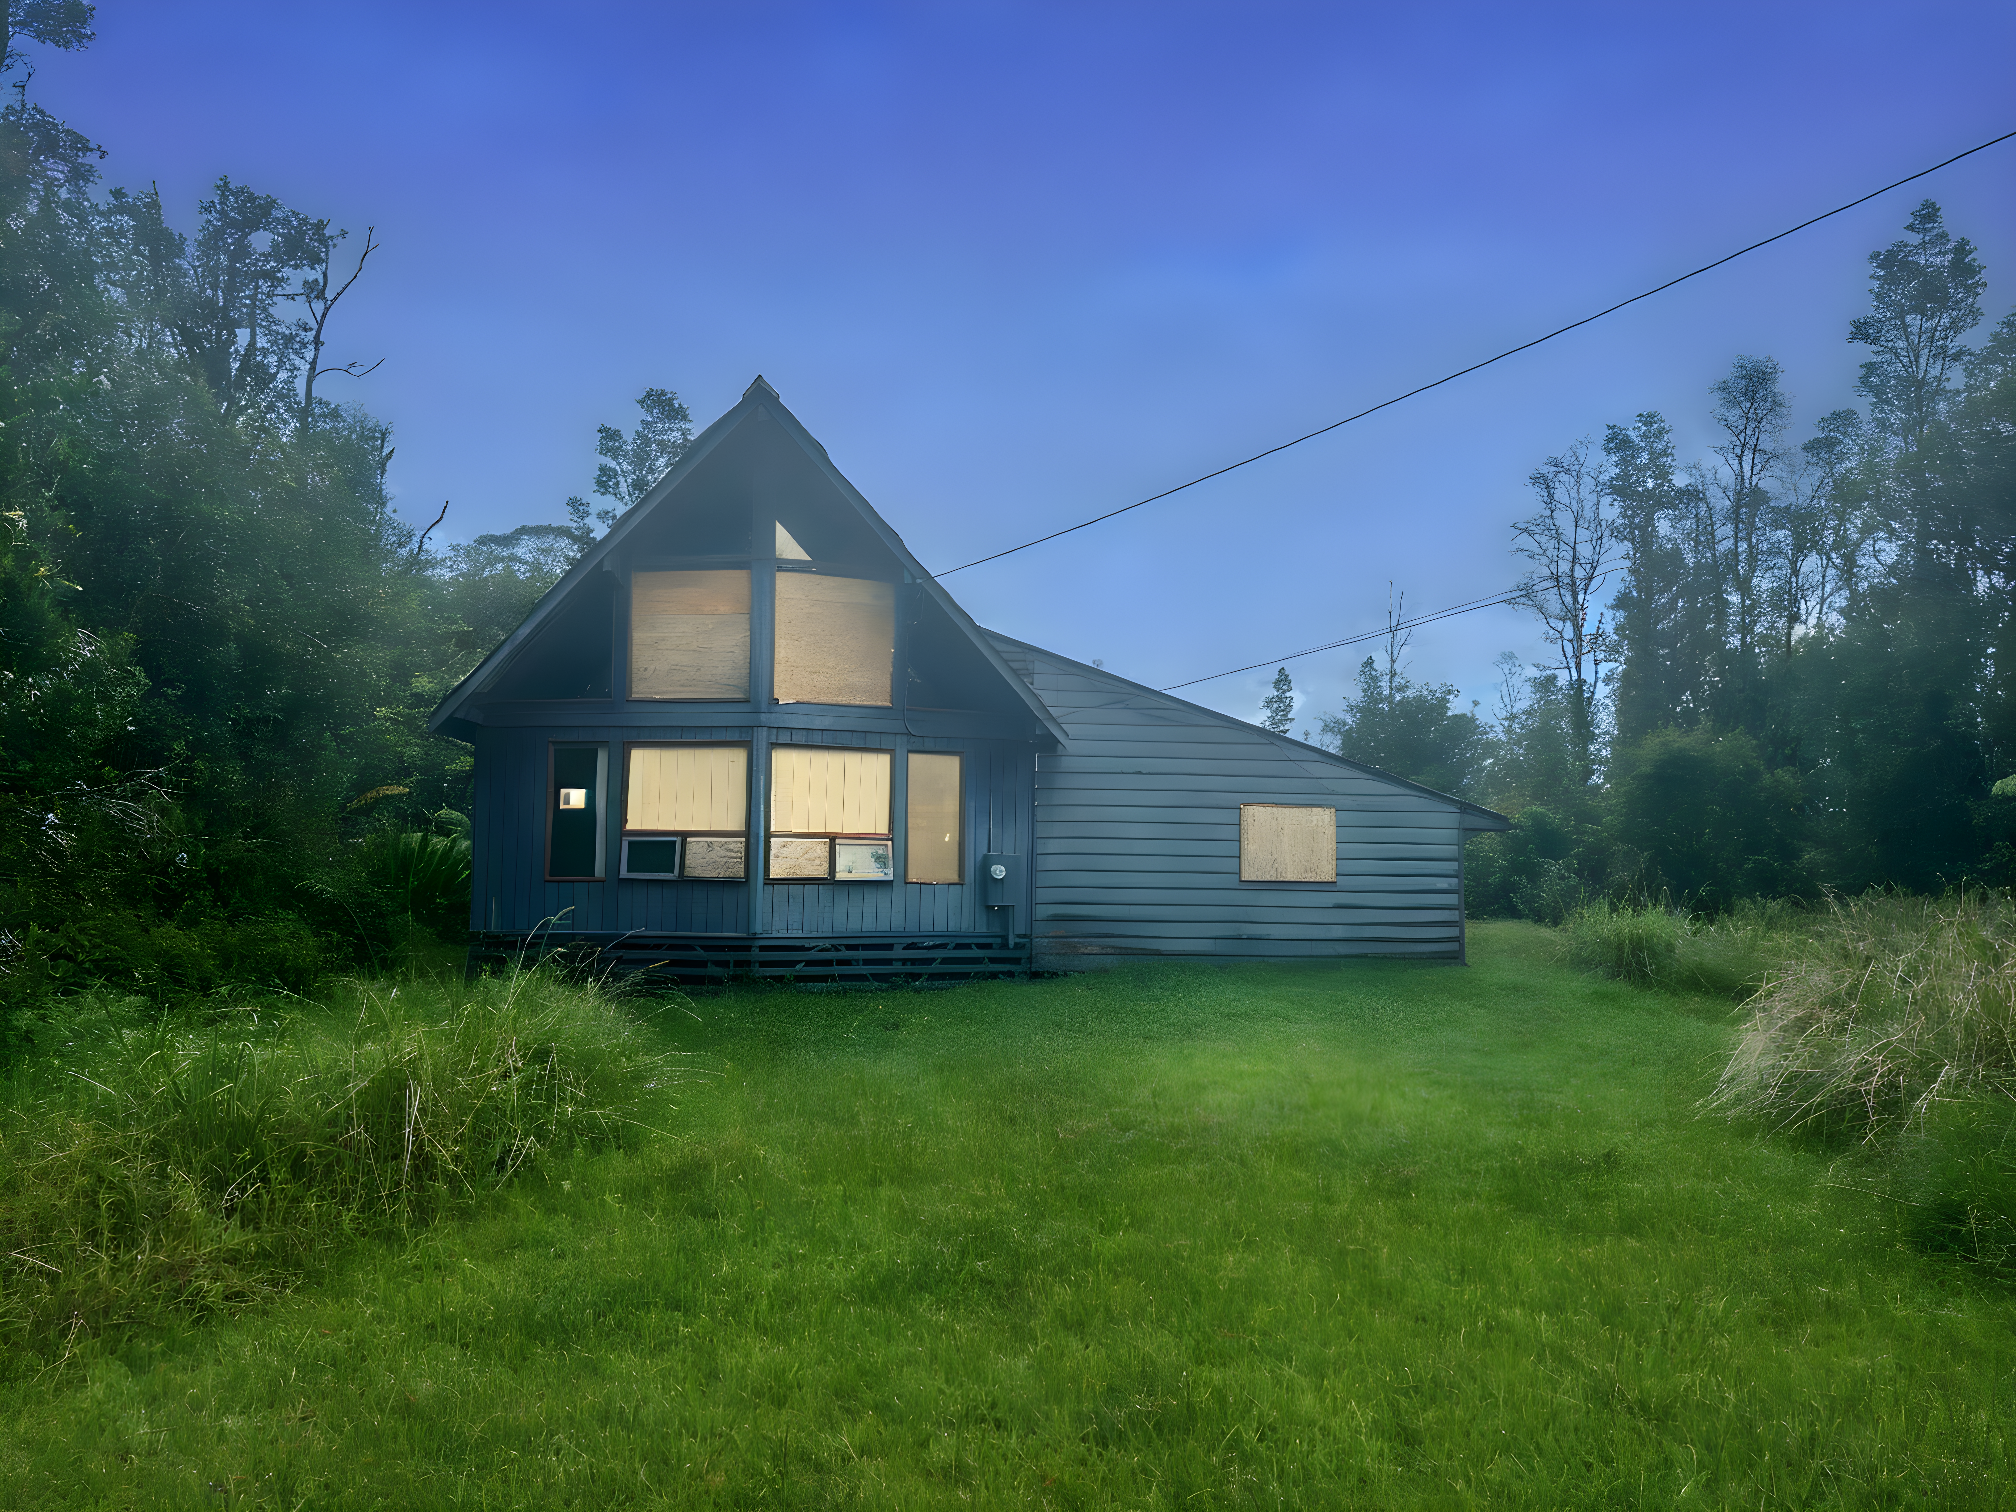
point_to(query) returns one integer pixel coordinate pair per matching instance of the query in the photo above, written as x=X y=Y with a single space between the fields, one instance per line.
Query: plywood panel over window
x=815 y=790
x=934 y=818
x=689 y=634
x=681 y=788
x=1287 y=843
x=836 y=639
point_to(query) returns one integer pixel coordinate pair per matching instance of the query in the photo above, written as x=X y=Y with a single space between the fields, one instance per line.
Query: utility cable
x=1461 y=372
x=1490 y=601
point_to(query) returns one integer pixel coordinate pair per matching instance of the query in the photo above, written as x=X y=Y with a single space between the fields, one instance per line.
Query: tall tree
x=1277 y=709
x=1568 y=545
x=1925 y=296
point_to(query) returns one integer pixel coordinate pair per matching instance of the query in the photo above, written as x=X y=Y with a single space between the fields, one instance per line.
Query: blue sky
x=1019 y=264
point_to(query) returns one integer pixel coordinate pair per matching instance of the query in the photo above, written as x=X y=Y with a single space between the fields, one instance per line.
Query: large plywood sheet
x=836 y=639
x=687 y=787
x=934 y=819
x=689 y=635
x=1287 y=843
x=816 y=790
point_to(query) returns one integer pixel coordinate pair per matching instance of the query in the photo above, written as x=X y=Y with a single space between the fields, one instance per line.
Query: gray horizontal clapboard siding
x=1137 y=836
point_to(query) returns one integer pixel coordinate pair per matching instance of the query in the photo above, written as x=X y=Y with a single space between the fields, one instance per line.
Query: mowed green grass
x=1372 y=1235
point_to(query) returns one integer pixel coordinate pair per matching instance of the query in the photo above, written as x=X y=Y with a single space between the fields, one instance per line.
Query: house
x=748 y=732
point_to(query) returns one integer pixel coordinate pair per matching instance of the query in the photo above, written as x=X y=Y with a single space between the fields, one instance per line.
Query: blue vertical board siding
x=1136 y=848
x=509 y=846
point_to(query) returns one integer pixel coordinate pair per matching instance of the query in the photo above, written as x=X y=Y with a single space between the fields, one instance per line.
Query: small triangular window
x=788 y=549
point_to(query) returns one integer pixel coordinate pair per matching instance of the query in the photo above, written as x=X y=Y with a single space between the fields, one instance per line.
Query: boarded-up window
x=815 y=790
x=1284 y=843
x=817 y=794
x=681 y=788
x=934 y=820
x=689 y=635
x=836 y=639
x=697 y=792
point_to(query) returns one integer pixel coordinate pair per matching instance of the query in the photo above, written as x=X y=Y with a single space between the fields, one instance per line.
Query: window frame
x=959 y=864
x=600 y=813
x=748 y=567
x=833 y=838
x=839 y=572
x=625 y=833
x=1300 y=882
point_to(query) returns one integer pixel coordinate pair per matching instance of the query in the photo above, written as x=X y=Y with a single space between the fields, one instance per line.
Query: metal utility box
x=1000 y=879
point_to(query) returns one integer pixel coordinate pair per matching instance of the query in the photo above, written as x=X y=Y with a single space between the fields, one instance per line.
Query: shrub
x=1630 y=944
x=1895 y=1006
x=150 y=1166
x=1658 y=946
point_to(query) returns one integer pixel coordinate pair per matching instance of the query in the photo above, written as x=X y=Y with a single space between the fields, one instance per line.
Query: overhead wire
x=1489 y=601
x=1524 y=346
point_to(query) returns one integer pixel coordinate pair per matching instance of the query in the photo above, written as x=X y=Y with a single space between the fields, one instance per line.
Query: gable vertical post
x=619 y=637
x=762 y=686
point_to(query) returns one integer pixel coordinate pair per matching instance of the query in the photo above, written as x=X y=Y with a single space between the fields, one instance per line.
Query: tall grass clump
x=1894 y=1029
x=1661 y=946
x=155 y=1167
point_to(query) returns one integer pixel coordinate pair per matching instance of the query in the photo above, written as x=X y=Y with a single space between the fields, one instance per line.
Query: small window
x=829 y=815
x=651 y=856
x=935 y=818
x=574 y=833
x=686 y=812
x=1287 y=843
x=689 y=635
x=836 y=640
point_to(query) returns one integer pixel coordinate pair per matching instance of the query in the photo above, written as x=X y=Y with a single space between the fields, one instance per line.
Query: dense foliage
x=218 y=643
x=1782 y=668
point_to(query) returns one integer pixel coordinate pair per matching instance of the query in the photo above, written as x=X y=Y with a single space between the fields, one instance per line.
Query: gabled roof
x=759 y=399
x=1484 y=818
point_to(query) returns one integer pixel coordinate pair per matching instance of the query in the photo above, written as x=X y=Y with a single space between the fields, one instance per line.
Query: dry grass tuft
x=1893 y=1006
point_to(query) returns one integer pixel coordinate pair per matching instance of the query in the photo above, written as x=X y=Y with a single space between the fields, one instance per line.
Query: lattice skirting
x=692 y=960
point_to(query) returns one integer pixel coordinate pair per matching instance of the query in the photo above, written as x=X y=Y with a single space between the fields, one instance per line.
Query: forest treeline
x=1784 y=667
x=218 y=643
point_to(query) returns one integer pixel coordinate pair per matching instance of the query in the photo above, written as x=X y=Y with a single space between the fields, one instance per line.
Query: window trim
x=831 y=837
x=1295 y=882
x=625 y=834
x=959 y=864
x=741 y=563
x=552 y=800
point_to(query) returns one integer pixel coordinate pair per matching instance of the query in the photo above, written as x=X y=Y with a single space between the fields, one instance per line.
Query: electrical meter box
x=1000 y=879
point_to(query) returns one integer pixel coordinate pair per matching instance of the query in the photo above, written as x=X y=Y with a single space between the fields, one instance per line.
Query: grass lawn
x=1378 y=1235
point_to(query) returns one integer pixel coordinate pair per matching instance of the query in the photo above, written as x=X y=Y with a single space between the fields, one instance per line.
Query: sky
x=1020 y=264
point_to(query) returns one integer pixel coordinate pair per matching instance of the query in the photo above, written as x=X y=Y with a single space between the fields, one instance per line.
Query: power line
x=1461 y=372
x=1490 y=601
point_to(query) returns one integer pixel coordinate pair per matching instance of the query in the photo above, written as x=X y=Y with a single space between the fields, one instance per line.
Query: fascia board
x=1298 y=748
x=591 y=560
x=894 y=542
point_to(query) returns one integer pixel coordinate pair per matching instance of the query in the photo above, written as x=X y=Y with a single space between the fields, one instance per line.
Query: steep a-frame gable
x=756 y=453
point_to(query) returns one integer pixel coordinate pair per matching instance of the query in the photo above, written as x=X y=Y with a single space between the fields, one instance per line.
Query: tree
x=1925 y=295
x=1408 y=728
x=1568 y=544
x=1665 y=609
x=1711 y=824
x=1277 y=709
x=631 y=464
